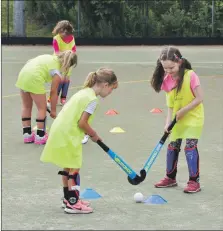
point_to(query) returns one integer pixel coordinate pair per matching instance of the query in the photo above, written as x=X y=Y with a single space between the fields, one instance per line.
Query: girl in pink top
x=169 y=76
x=62 y=41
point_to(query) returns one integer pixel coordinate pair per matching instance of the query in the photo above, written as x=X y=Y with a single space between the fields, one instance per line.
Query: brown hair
x=102 y=75
x=67 y=59
x=173 y=54
x=63 y=26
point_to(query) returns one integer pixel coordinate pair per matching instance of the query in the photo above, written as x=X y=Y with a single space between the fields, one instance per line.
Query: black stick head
x=138 y=179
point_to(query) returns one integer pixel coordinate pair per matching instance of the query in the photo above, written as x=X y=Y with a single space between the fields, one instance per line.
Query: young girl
x=62 y=41
x=31 y=81
x=175 y=76
x=64 y=147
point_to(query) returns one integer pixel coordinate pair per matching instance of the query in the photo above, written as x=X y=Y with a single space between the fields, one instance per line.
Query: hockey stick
x=154 y=153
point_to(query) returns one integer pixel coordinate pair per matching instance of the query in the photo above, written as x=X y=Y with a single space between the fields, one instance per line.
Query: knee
x=66 y=80
x=173 y=146
x=27 y=107
x=73 y=170
x=189 y=147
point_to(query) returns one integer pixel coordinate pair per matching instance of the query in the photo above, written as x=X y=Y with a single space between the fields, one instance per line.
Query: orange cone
x=111 y=112
x=156 y=110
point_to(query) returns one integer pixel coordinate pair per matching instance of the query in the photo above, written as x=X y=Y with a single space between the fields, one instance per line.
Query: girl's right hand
x=95 y=138
x=166 y=128
x=53 y=114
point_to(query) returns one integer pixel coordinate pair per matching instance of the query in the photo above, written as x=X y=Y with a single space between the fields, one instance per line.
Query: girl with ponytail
x=31 y=82
x=64 y=148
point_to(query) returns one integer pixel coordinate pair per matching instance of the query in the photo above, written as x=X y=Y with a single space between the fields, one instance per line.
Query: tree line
x=130 y=18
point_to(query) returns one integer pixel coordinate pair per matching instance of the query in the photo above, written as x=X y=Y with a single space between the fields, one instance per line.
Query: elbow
x=80 y=124
x=200 y=100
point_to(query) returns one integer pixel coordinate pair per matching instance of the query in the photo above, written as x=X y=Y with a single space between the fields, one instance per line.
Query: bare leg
x=27 y=104
x=40 y=101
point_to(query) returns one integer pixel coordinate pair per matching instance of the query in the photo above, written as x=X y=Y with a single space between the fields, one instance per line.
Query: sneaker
x=48 y=105
x=41 y=140
x=85 y=140
x=77 y=208
x=166 y=182
x=192 y=187
x=62 y=101
x=64 y=203
x=28 y=138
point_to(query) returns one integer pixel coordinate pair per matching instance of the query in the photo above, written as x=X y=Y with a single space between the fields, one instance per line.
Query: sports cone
x=156 y=110
x=111 y=112
x=117 y=130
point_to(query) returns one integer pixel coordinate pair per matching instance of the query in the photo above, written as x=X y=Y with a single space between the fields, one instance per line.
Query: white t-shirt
x=91 y=107
x=54 y=72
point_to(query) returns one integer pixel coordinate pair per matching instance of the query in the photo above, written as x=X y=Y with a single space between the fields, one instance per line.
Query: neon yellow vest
x=64 y=147
x=62 y=45
x=36 y=72
x=191 y=125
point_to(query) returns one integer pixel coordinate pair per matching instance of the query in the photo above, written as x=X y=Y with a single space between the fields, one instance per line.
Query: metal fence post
x=212 y=18
x=8 y=18
x=78 y=19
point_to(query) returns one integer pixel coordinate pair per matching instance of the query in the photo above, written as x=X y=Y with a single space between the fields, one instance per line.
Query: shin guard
x=65 y=89
x=44 y=123
x=59 y=88
x=171 y=162
x=27 y=129
x=74 y=189
x=192 y=157
x=65 y=189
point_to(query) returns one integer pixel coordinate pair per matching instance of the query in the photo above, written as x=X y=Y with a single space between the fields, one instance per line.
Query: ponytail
x=90 y=80
x=67 y=59
x=158 y=75
x=102 y=75
x=185 y=65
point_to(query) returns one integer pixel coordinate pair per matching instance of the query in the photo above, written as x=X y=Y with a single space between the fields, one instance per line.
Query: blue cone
x=155 y=199
x=89 y=193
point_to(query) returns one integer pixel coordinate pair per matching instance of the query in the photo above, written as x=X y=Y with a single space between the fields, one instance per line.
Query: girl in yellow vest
x=62 y=41
x=64 y=148
x=31 y=81
x=175 y=76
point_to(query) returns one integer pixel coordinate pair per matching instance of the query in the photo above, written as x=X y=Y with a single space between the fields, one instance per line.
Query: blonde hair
x=63 y=26
x=67 y=59
x=102 y=75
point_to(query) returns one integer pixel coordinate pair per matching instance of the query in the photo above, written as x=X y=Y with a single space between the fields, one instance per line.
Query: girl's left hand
x=53 y=114
x=180 y=114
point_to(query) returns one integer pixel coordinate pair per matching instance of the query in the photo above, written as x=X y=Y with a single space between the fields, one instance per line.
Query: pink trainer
x=77 y=208
x=166 y=182
x=28 y=138
x=41 y=140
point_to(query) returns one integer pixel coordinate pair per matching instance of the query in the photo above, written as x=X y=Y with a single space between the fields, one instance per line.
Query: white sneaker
x=48 y=105
x=85 y=140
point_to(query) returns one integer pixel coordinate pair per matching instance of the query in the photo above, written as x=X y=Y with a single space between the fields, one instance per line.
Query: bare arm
x=169 y=116
x=198 y=99
x=194 y=103
x=53 y=92
x=83 y=124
